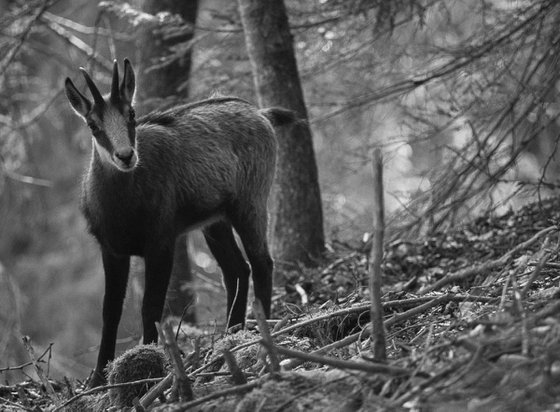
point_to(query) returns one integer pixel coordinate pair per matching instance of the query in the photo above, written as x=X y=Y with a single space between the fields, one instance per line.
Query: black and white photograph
x=279 y=205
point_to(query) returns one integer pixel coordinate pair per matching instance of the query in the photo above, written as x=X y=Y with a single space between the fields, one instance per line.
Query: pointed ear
x=78 y=101
x=128 y=85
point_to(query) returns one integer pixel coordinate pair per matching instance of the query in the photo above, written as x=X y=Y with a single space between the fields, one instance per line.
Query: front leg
x=116 y=277
x=158 y=271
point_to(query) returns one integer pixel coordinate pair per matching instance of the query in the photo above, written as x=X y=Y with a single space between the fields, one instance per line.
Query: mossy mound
x=140 y=362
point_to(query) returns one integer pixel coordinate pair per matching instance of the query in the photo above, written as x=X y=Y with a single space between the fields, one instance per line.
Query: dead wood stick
x=38 y=369
x=338 y=262
x=292 y=363
x=344 y=364
x=363 y=307
x=283 y=406
x=402 y=303
x=442 y=374
x=137 y=406
x=218 y=394
x=375 y=273
x=466 y=273
x=542 y=261
x=258 y=310
x=15 y=368
x=183 y=385
x=517 y=301
x=237 y=374
x=103 y=388
x=156 y=390
x=302 y=294
x=549 y=310
x=399 y=317
x=13 y=404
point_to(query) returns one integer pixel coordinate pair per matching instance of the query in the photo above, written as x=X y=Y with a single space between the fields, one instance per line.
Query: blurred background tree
x=297 y=218
x=461 y=96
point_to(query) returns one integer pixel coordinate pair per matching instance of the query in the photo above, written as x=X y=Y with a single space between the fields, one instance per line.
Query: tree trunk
x=297 y=221
x=160 y=87
x=164 y=82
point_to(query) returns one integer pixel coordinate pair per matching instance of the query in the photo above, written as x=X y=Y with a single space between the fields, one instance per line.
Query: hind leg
x=252 y=227
x=235 y=269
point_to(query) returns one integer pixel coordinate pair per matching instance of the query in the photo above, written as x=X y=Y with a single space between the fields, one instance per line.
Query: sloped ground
x=472 y=320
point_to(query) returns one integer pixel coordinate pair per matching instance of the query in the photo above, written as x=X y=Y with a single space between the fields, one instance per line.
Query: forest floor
x=472 y=319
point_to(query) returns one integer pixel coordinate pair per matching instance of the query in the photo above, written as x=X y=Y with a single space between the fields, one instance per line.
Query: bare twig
x=519 y=306
x=237 y=374
x=11 y=54
x=137 y=405
x=182 y=383
x=265 y=333
x=23 y=365
x=302 y=293
x=344 y=364
x=376 y=310
x=218 y=394
x=536 y=272
x=474 y=270
x=80 y=28
x=398 y=402
x=104 y=388
x=362 y=308
x=366 y=332
x=338 y=262
x=282 y=407
x=44 y=380
x=79 y=45
x=15 y=368
x=16 y=405
x=156 y=391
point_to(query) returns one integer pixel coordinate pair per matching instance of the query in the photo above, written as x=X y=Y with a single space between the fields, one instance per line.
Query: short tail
x=280 y=117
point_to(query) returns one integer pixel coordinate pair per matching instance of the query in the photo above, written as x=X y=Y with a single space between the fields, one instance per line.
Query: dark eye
x=93 y=127
x=131 y=113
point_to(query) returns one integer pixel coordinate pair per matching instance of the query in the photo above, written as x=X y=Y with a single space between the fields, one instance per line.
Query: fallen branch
x=403 y=303
x=104 y=388
x=182 y=384
x=266 y=338
x=219 y=394
x=156 y=390
x=38 y=369
x=362 y=308
x=466 y=273
x=237 y=374
x=542 y=261
x=375 y=272
x=369 y=367
x=338 y=262
x=16 y=405
x=366 y=331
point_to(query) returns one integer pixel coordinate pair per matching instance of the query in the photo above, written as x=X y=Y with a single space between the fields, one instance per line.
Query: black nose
x=125 y=155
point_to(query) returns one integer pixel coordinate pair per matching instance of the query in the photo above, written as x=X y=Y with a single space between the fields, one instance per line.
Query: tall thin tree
x=297 y=221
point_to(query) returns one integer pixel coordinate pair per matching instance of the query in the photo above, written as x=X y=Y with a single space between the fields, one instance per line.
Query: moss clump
x=140 y=362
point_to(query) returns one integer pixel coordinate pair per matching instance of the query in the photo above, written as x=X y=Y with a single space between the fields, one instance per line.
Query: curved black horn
x=115 y=93
x=97 y=98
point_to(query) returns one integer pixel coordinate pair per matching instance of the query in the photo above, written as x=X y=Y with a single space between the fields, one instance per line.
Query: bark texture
x=297 y=217
x=164 y=82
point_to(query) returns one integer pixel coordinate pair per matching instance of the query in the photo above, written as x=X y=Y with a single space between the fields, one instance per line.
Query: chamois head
x=110 y=118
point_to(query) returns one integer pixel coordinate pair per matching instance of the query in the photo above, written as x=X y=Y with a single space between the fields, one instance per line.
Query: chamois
x=206 y=164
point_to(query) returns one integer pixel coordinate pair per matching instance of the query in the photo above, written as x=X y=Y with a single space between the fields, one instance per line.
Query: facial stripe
x=116 y=128
x=102 y=151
